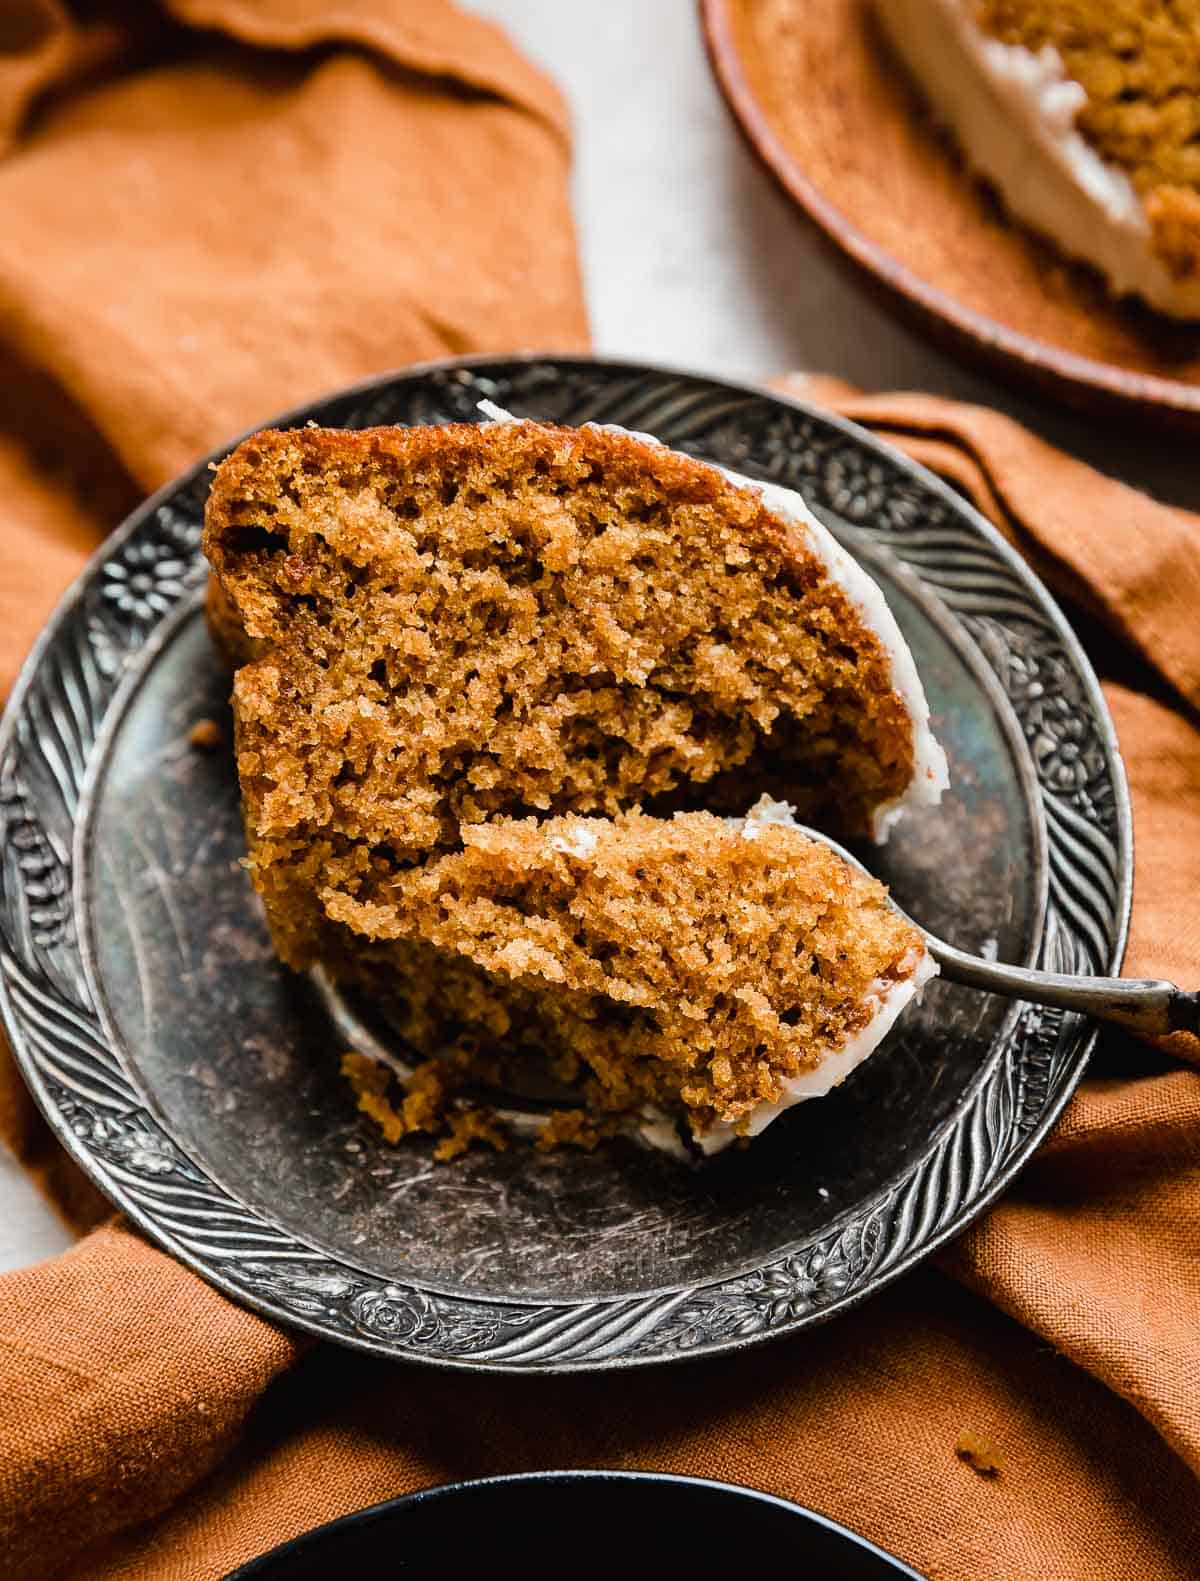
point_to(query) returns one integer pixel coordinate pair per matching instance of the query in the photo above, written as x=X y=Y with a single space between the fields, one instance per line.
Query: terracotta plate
x=197 y=1081
x=824 y=106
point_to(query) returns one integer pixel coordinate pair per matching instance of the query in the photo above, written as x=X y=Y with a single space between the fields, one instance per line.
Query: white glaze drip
x=890 y=997
x=1013 y=113
x=930 y=772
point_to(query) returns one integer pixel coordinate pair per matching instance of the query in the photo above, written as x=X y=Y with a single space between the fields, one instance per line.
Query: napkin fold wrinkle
x=215 y=209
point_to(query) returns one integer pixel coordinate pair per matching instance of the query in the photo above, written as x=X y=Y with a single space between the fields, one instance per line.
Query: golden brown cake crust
x=456 y=623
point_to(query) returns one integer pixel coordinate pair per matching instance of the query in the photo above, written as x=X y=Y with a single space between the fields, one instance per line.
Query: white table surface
x=692 y=257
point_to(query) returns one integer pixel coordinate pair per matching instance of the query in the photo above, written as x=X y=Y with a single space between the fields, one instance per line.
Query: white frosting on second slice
x=1013 y=112
x=889 y=997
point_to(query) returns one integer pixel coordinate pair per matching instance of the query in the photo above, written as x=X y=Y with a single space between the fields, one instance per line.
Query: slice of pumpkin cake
x=440 y=628
x=689 y=969
x=449 y=624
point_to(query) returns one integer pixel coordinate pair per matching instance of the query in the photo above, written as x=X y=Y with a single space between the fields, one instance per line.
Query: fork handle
x=1151 y=1008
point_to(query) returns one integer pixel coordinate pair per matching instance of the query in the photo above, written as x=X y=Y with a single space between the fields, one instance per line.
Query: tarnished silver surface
x=197 y=1081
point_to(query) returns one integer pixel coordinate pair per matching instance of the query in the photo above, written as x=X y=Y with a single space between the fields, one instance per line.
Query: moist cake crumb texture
x=678 y=964
x=468 y=656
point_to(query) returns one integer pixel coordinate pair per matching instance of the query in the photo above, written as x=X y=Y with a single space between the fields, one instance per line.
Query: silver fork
x=1142 y=1005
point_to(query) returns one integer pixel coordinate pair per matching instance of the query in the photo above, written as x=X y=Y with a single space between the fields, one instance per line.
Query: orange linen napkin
x=211 y=213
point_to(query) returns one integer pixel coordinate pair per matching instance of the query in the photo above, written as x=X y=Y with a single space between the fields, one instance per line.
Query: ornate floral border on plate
x=111 y=622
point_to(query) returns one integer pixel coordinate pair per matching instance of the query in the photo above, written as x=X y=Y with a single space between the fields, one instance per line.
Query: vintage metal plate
x=195 y=1080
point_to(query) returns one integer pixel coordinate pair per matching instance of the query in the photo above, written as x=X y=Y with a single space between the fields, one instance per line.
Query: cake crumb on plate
x=205 y=735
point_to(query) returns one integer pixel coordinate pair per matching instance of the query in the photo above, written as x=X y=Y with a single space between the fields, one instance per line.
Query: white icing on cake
x=497 y=414
x=660 y=1132
x=579 y=841
x=930 y=773
x=766 y=811
x=1013 y=113
x=890 y=997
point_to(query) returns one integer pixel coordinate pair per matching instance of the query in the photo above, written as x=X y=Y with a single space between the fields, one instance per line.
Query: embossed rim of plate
x=1077 y=380
x=80 y=665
